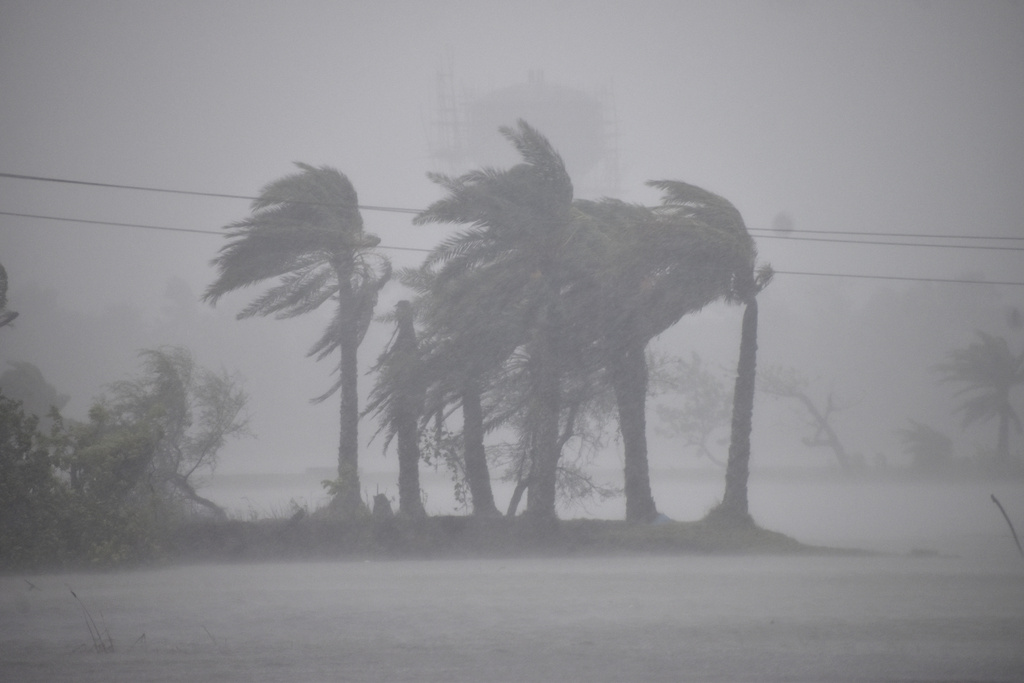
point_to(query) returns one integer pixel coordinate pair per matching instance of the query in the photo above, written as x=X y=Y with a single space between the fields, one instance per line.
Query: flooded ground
x=946 y=603
x=640 y=619
x=823 y=508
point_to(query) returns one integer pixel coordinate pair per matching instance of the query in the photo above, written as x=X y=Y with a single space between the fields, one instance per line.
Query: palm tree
x=734 y=506
x=988 y=370
x=459 y=359
x=656 y=266
x=520 y=232
x=398 y=398
x=305 y=233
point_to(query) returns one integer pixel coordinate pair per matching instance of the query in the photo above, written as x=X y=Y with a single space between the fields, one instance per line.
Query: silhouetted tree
x=649 y=268
x=787 y=383
x=306 y=235
x=397 y=397
x=929 y=449
x=734 y=506
x=521 y=236
x=989 y=370
x=6 y=316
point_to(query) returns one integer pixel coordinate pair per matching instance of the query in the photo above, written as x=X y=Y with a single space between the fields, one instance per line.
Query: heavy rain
x=660 y=340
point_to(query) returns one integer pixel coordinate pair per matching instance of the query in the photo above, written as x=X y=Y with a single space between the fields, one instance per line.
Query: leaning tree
x=305 y=235
x=520 y=239
x=647 y=269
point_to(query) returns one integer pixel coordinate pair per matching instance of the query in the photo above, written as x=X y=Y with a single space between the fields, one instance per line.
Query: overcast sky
x=890 y=117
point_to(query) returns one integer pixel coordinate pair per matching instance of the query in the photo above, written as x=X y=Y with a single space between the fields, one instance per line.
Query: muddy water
x=640 y=619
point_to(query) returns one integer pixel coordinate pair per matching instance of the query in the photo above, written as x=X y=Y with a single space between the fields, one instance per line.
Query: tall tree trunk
x=546 y=412
x=541 y=494
x=734 y=502
x=349 y=499
x=477 y=473
x=410 y=500
x=629 y=378
x=408 y=406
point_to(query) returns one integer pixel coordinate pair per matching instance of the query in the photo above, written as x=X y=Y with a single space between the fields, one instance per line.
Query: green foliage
x=106 y=492
x=34 y=500
x=192 y=412
x=441 y=447
x=25 y=382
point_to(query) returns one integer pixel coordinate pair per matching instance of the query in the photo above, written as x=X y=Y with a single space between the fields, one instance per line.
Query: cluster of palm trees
x=534 y=314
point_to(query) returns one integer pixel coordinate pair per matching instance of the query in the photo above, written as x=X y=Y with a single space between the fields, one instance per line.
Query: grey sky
x=889 y=117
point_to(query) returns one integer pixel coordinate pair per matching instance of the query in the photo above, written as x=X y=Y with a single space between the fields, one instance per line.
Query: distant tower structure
x=448 y=148
x=582 y=127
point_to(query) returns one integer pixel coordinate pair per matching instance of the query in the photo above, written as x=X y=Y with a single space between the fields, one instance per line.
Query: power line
x=895 y=244
x=905 y=279
x=195 y=193
x=806 y=239
x=915 y=235
x=395 y=209
x=144 y=226
x=110 y=223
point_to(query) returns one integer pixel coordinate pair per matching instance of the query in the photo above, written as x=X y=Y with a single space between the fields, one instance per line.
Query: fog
x=895 y=118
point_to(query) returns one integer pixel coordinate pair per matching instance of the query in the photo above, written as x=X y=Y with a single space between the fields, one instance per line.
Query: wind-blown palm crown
x=513 y=262
x=306 y=234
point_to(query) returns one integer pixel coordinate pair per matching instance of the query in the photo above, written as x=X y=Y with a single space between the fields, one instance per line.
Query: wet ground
x=743 y=618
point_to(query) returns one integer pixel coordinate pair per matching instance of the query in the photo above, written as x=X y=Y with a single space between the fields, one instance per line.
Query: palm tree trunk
x=547 y=409
x=477 y=474
x=349 y=493
x=734 y=502
x=410 y=501
x=540 y=496
x=629 y=378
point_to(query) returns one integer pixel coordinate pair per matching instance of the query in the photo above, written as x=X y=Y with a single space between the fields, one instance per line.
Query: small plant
x=101 y=640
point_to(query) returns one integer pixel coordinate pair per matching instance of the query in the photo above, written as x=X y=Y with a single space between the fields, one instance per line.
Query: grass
x=101 y=640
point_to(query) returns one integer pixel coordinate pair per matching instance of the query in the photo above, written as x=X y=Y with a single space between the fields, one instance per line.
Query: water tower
x=580 y=125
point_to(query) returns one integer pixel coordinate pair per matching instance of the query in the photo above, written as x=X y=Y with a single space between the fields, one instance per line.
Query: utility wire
x=895 y=244
x=423 y=250
x=220 y=195
x=395 y=209
x=915 y=235
x=905 y=279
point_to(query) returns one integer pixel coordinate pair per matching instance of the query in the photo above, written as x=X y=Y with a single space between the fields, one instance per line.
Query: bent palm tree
x=458 y=360
x=305 y=233
x=655 y=266
x=734 y=506
x=988 y=369
x=398 y=398
x=519 y=234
